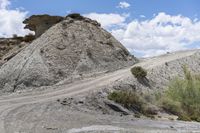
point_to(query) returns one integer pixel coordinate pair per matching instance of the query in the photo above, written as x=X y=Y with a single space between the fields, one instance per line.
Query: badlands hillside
x=61 y=83
x=9 y=47
x=72 y=49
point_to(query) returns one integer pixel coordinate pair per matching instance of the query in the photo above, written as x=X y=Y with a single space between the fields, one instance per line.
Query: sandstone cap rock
x=40 y=23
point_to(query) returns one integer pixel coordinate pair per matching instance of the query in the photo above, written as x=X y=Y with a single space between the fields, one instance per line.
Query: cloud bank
x=163 y=33
x=11 y=20
x=108 y=20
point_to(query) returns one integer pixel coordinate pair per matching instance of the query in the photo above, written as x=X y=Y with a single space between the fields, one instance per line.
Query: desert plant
x=138 y=72
x=128 y=99
x=171 y=106
x=132 y=101
x=183 y=97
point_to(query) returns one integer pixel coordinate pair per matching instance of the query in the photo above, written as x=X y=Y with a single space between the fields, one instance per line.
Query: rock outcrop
x=9 y=47
x=72 y=49
x=40 y=23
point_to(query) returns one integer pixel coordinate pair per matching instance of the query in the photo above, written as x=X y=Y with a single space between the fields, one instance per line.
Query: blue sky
x=189 y=8
x=145 y=27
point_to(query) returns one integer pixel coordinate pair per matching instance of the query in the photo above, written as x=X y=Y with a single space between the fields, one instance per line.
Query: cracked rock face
x=69 y=50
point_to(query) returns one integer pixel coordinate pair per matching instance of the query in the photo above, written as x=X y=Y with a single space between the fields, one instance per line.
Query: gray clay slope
x=70 y=49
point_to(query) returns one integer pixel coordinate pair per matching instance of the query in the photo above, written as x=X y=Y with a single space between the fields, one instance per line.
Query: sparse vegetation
x=183 y=97
x=27 y=38
x=128 y=99
x=139 y=72
x=132 y=101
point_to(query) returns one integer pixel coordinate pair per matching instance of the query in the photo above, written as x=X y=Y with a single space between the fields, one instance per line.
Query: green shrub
x=128 y=99
x=139 y=72
x=132 y=101
x=183 y=97
x=172 y=107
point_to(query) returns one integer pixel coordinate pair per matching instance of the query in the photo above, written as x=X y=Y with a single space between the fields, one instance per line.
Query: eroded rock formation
x=40 y=23
x=74 y=48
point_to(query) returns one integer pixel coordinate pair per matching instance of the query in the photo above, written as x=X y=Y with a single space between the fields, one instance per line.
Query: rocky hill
x=9 y=47
x=74 y=48
x=63 y=79
x=6 y=44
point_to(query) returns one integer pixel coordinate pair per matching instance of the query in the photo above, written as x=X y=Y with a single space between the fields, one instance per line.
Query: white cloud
x=11 y=20
x=142 y=16
x=108 y=20
x=161 y=34
x=4 y=4
x=123 y=5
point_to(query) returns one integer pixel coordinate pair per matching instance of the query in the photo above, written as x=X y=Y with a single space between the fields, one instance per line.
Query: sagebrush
x=183 y=97
x=139 y=72
x=132 y=101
